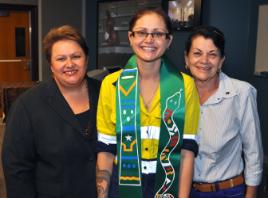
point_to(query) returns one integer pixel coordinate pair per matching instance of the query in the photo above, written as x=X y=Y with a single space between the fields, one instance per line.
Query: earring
x=186 y=66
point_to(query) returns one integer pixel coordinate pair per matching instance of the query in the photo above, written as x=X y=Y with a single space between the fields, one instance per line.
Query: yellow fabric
x=106 y=114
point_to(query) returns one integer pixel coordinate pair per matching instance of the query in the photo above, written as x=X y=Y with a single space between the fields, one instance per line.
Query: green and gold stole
x=129 y=137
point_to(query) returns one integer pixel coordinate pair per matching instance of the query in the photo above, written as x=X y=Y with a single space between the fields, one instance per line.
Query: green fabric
x=171 y=132
x=128 y=134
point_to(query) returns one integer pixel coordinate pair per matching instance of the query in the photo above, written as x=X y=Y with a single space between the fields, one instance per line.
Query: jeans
x=235 y=192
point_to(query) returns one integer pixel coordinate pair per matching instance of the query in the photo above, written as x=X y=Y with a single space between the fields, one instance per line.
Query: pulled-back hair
x=158 y=11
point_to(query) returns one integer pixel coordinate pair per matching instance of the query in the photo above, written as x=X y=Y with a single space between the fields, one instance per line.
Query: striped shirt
x=229 y=126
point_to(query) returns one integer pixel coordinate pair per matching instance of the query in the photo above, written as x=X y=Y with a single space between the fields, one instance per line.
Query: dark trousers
x=235 y=192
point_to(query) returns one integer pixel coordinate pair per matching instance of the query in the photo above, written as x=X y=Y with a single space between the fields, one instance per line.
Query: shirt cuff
x=102 y=147
x=191 y=145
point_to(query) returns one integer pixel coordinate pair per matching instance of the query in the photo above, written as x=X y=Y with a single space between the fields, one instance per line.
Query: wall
x=261 y=62
x=91 y=32
x=23 y=2
x=56 y=13
x=260 y=83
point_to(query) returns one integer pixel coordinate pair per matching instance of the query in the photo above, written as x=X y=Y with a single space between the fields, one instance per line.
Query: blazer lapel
x=57 y=102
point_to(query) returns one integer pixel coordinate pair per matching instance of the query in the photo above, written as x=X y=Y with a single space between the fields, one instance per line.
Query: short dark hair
x=65 y=32
x=160 y=12
x=208 y=32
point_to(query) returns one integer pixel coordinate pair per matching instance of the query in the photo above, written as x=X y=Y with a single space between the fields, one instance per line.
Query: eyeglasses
x=155 y=35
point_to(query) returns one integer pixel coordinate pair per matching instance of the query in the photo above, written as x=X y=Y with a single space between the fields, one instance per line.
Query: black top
x=44 y=152
x=84 y=120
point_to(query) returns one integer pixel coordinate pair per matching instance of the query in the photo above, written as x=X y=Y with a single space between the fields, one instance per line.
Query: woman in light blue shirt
x=230 y=156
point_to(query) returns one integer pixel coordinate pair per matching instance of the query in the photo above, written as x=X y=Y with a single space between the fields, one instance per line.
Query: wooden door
x=15 y=52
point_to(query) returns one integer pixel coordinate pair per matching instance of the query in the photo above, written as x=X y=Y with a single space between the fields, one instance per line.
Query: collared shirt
x=150 y=120
x=229 y=126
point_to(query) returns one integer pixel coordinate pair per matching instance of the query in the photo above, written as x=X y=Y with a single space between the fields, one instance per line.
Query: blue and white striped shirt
x=229 y=126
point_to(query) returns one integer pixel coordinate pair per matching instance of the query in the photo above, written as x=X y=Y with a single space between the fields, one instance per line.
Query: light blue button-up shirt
x=229 y=126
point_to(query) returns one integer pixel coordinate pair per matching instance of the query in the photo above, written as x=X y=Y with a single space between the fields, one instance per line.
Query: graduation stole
x=129 y=137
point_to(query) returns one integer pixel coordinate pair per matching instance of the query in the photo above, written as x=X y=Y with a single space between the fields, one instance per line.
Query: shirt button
x=146 y=149
x=145 y=167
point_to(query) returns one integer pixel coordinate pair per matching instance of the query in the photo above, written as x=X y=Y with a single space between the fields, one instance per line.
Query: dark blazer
x=45 y=154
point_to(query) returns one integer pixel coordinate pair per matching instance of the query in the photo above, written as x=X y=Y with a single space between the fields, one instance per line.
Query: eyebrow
x=214 y=50
x=155 y=29
x=73 y=53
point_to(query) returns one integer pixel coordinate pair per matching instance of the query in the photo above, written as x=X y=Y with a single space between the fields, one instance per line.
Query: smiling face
x=68 y=63
x=204 y=59
x=149 y=48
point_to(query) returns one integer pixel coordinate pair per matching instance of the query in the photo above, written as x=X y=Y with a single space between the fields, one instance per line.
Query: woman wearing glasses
x=144 y=112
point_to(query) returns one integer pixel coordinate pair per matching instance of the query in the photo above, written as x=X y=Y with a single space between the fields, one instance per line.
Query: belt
x=213 y=187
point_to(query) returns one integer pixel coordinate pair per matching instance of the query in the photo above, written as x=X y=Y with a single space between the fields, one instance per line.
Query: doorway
x=18 y=43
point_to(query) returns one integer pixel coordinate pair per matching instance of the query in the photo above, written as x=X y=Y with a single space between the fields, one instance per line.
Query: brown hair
x=208 y=32
x=65 y=32
x=158 y=11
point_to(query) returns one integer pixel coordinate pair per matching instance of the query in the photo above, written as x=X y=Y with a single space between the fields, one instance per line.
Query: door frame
x=33 y=35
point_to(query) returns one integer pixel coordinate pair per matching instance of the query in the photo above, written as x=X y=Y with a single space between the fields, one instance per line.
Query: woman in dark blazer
x=49 y=144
